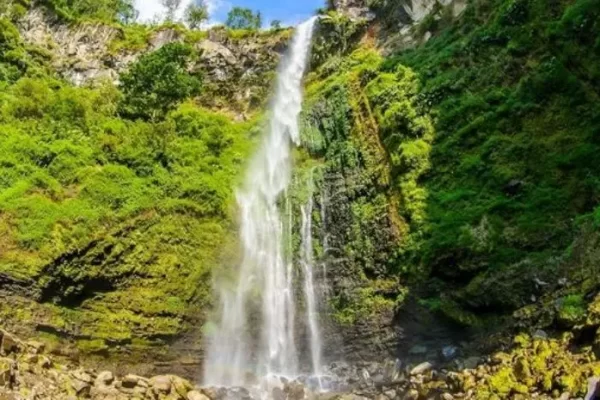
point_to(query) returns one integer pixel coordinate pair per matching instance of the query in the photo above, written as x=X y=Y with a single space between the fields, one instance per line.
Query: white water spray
x=266 y=272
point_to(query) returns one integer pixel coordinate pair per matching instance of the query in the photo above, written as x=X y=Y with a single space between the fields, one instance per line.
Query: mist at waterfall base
x=256 y=333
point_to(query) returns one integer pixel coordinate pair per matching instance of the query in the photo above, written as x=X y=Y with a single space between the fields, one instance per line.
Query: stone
x=130 y=381
x=104 y=378
x=391 y=370
x=31 y=358
x=9 y=344
x=540 y=334
x=421 y=368
x=81 y=388
x=7 y=372
x=196 y=395
x=161 y=383
x=449 y=352
x=181 y=386
x=447 y=396
x=471 y=362
x=295 y=390
x=36 y=347
x=390 y=394
x=82 y=376
x=593 y=388
x=45 y=362
x=412 y=395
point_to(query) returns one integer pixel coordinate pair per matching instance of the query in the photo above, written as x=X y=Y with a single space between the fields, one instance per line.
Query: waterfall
x=237 y=350
x=309 y=283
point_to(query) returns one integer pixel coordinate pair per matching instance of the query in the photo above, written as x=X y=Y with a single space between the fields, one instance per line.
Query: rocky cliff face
x=400 y=25
x=237 y=71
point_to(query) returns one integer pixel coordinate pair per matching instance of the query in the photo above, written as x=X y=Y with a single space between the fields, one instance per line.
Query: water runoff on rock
x=255 y=333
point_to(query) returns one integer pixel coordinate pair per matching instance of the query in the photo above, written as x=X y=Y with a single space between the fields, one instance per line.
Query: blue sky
x=288 y=11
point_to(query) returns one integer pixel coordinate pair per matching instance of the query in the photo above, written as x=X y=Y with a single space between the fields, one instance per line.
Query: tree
x=172 y=6
x=276 y=24
x=158 y=82
x=243 y=18
x=196 y=13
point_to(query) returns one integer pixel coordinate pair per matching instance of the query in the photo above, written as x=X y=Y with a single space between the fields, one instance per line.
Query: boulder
x=82 y=376
x=295 y=390
x=9 y=344
x=449 y=352
x=104 y=378
x=36 y=347
x=593 y=388
x=161 y=383
x=181 y=386
x=130 y=381
x=421 y=368
x=471 y=362
x=45 y=362
x=81 y=388
x=7 y=372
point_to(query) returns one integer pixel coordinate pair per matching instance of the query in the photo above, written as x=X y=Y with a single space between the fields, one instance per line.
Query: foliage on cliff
x=484 y=143
x=112 y=224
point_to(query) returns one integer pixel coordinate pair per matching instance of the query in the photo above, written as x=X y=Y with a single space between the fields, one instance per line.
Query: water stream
x=255 y=334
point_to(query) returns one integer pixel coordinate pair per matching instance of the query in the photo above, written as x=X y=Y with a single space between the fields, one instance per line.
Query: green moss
x=572 y=309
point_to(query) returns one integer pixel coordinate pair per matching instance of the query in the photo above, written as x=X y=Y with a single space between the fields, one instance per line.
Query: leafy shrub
x=158 y=82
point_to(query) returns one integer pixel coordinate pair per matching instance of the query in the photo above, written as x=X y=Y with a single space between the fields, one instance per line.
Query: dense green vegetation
x=515 y=159
x=115 y=202
x=484 y=145
x=103 y=10
x=462 y=174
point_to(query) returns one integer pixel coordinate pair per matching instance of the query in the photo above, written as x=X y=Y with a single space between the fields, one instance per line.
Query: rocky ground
x=535 y=368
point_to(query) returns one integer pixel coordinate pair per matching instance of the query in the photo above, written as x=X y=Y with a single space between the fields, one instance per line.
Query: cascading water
x=309 y=282
x=266 y=271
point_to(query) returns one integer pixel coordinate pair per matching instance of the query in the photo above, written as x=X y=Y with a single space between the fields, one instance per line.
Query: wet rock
x=196 y=395
x=214 y=393
x=421 y=368
x=278 y=394
x=295 y=390
x=449 y=352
